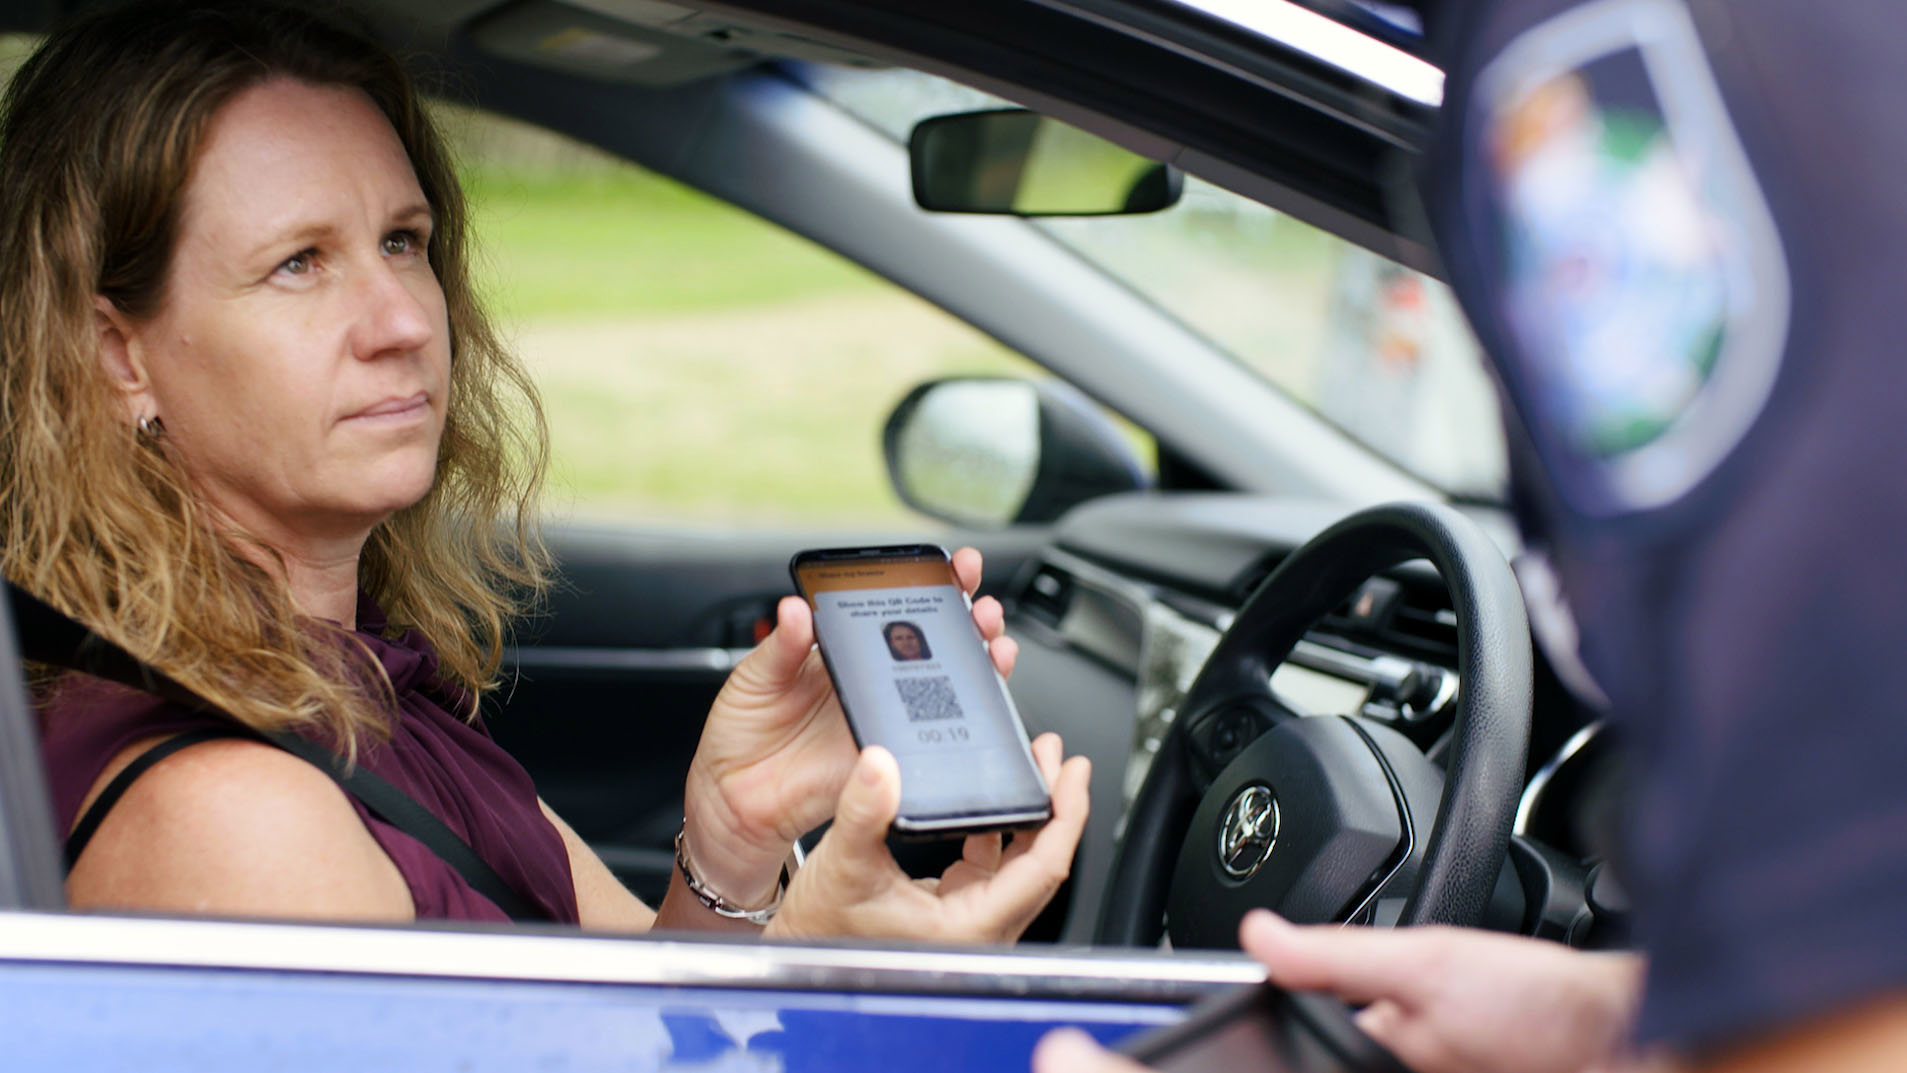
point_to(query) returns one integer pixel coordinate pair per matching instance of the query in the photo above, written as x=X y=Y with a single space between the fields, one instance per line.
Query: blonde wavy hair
x=99 y=134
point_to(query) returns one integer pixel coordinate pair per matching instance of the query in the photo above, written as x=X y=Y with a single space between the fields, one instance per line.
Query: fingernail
x=870 y=772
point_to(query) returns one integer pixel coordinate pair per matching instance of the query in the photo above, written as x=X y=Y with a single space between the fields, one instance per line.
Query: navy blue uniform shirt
x=1680 y=229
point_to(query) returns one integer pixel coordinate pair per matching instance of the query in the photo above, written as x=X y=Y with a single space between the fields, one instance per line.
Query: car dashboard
x=1119 y=611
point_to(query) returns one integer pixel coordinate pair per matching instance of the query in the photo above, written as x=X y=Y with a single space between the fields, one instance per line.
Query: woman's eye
x=298 y=263
x=398 y=243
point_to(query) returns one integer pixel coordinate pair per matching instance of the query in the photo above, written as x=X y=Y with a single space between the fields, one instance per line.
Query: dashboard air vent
x=1047 y=595
x=1253 y=576
x=1424 y=625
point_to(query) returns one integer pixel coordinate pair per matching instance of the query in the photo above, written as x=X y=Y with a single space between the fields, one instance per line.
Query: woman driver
x=258 y=432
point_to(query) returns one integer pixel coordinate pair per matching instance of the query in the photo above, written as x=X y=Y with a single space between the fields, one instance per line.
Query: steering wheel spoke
x=1217 y=734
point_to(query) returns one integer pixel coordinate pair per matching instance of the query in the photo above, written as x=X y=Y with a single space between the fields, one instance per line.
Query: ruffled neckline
x=408 y=659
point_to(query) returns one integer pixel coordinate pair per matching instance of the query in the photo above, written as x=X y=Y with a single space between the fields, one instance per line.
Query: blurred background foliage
x=698 y=364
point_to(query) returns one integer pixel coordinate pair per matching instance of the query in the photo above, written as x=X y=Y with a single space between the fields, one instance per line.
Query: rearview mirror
x=1014 y=162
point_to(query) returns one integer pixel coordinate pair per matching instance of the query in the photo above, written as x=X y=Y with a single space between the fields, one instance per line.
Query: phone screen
x=914 y=677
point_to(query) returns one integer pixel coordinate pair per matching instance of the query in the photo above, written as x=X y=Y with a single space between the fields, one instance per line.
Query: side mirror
x=992 y=452
x=1018 y=163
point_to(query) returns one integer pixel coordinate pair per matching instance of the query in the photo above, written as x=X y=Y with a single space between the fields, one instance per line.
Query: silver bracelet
x=719 y=905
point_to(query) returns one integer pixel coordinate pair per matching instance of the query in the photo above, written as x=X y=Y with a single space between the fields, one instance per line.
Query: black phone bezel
x=1327 y=1022
x=939 y=825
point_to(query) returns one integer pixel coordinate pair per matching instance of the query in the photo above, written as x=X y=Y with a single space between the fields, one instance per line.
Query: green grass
x=792 y=457
x=698 y=364
x=631 y=243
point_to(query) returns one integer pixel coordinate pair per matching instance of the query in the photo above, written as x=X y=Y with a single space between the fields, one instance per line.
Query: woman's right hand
x=776 y=750
x=851 y=884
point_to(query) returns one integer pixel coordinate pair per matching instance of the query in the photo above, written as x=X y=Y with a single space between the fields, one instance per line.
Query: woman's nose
x=395 y=318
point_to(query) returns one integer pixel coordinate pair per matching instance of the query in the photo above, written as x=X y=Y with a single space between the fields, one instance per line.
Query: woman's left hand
x=850 y=884
x=776 y=749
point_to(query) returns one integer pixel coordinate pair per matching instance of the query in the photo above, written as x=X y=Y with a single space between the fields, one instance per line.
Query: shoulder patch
x=1643 y=282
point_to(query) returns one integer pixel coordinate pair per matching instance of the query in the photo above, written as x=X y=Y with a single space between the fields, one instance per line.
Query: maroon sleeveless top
x=451 y=767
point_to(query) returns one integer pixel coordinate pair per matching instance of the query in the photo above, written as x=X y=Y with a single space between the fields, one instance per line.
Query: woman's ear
x=121 y=358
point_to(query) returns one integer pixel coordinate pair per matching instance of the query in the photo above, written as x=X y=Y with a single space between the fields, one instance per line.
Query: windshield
x=1377 y=349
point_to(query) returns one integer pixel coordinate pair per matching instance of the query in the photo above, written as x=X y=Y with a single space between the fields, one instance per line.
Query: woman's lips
x=395 y=411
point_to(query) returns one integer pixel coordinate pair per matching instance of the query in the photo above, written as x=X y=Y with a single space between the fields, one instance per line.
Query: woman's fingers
x=1049 y=752
x=983 y=851
x=1034 y=866
x=989 y=616
x=841 y=888
x=851 y=884
x=966 y=564
x=1006 y=654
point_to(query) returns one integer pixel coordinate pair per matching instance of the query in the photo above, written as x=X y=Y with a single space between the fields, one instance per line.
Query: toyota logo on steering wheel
x=1248 y=831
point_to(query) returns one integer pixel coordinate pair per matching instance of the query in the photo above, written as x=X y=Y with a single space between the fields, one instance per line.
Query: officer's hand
x=1443 y=1000
x=1068 y=1050
x=1462 y=1000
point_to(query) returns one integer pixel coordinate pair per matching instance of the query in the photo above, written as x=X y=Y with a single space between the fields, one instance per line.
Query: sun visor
x=641 y=42
x=587 y=43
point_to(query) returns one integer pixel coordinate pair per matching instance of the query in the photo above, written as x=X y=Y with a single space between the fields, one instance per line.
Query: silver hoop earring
x=151 y=428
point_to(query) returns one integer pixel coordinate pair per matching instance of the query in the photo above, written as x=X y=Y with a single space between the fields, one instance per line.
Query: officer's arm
x=1869 y=1037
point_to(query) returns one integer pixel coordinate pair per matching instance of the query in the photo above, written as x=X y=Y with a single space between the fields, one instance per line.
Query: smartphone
x=912 y=671
x=1264 y=1029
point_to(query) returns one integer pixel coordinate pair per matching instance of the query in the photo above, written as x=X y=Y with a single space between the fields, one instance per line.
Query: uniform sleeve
x=1625 y=193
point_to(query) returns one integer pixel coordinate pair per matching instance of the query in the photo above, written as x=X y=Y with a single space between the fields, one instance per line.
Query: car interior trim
x=1407 y=248
x=1172 y=646
x=1160 y=676
x=547 y=658
x=553 y=954
x=1331 y=42
x=1532 y=798
x=1448 y=685
x=1382 y=670
x=1347 y=96
x=1385 y=122
x=1406 y=846
x=30 y=872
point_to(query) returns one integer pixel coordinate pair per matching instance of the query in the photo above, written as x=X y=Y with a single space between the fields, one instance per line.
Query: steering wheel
x=1321 y=817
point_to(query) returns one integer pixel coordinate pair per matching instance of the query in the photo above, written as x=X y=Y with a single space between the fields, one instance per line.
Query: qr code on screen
x=928 y=700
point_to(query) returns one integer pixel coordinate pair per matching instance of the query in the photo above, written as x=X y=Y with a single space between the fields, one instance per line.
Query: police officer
x=1679 y=228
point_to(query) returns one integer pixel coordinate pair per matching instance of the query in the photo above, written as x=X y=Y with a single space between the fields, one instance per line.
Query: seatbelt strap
x=96 y=812
x=47 y=636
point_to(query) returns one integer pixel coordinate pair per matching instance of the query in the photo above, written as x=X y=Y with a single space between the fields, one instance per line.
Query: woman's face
x=300 y=359
x=905 y=642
